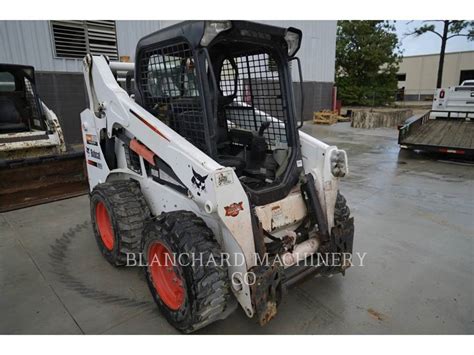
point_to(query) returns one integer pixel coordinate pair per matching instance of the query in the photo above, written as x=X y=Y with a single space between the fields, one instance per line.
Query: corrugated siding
x=29 y=42
x=318 y=48
x=130 y=32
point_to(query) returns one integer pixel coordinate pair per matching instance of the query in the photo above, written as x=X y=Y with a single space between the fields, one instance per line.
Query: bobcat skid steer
x=203 y=176
x=34 y=165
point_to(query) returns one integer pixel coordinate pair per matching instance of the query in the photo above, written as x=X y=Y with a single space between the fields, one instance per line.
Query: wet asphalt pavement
x=413 y=217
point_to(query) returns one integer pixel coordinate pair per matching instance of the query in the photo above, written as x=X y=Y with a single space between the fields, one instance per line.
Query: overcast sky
x=429 y=42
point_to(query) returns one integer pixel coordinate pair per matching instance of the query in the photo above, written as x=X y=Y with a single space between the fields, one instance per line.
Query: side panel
x=317 y=160
x=97 y=169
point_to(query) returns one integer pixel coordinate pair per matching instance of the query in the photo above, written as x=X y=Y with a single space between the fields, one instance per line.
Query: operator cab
x=20 y=109
x=226 y=87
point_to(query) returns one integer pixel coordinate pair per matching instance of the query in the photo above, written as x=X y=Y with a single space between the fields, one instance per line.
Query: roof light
x=293 y=39
x=212 y=29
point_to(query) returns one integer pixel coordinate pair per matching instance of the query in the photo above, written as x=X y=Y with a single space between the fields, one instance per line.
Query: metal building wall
x=318 y=49
x=318 y=62
x=29 y=42
x=421 y=72
x=59 y=81
x=61 y=86
x=130 y=32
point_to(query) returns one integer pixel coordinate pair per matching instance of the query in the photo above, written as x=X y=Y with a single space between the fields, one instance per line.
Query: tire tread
x=130 y=212
x=210 y=284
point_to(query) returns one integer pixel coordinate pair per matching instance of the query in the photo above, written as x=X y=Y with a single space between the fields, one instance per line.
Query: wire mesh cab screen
x=33 y=105
x=170 y=91
x=253 y=85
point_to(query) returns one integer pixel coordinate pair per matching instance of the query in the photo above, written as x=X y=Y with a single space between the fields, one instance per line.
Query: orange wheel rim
x=167 y=283
x=104 y=225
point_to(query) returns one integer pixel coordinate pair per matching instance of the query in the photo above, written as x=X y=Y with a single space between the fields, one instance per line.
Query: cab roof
x=25 y=70
x=192 y=32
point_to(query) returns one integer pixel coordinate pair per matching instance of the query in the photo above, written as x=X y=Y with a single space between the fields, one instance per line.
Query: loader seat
x=10 y=117
x=224 y=139
x=237 y=163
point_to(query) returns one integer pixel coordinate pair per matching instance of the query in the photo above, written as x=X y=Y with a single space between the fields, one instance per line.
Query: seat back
x=10 y=117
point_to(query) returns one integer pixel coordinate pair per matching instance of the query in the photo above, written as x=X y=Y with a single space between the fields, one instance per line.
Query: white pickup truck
x=455 y=101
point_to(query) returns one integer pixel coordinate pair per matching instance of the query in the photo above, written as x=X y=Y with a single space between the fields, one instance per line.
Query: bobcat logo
x=199 y=182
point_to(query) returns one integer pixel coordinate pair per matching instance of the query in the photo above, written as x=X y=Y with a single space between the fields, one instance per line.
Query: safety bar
x=121 y=66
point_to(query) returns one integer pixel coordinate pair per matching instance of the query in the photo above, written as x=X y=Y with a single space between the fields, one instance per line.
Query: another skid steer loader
x=202 y=171
x=34 y=164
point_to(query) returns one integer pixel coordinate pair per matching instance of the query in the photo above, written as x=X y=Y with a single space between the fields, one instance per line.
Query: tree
x=451 y=29
x=367 y=58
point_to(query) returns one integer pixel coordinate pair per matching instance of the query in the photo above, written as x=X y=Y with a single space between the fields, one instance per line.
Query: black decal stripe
x=149 y=125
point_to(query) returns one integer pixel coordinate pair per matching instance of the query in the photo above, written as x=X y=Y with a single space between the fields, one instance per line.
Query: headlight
x=213 y=28
x=338 y=163
x=293 y=39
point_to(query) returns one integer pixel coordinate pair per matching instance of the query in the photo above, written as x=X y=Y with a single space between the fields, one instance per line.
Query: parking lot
x=413 y=217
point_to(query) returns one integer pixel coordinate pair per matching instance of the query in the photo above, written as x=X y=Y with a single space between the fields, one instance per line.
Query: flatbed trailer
x=452 y=134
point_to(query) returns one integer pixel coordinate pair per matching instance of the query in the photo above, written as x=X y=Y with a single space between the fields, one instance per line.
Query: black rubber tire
x=207 y=288
x=341 y=211
x=343 y=227
x=343 y=224
x=128 y=212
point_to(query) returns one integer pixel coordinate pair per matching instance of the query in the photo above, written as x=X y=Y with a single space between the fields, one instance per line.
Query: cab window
x=7 y=82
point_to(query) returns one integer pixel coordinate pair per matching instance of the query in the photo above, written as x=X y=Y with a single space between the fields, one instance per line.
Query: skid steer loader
x=35 y=166
x=204 y=162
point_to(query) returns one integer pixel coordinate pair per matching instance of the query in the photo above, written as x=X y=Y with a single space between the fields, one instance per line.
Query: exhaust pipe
x=300 y=252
